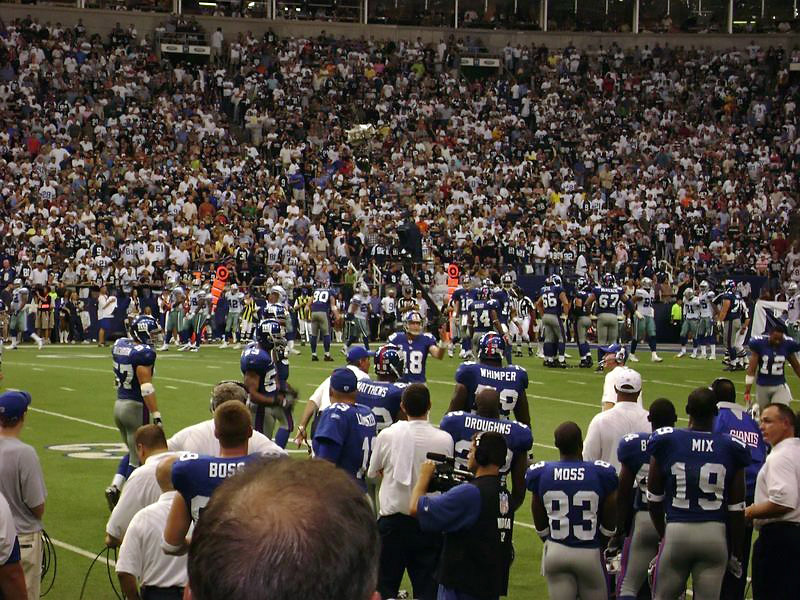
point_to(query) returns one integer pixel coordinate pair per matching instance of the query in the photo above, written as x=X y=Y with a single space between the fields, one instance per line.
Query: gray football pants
x=640 y=548
x=607 y=329
x=767 y=394
x=696 y=549
x=573 y=572
x=553 y=328
x=129 y=415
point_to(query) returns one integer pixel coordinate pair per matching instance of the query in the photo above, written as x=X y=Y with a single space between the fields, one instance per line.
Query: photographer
x=477 y=521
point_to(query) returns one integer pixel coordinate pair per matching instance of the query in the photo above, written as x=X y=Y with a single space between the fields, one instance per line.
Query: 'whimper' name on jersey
x=505 y=375
x=486 y=425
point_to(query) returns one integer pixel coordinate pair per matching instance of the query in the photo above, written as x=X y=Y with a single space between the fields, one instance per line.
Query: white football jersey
x=645 y=303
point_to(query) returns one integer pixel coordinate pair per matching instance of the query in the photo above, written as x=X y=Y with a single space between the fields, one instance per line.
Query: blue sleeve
x=523 y=438
x=327 y=450
x=754 y=345
x=429 y=341
x=182 y=477
x=145 y=357
x=532 y=476
x=332 y=426
x=457 y=509
x=740 y=453
x=658 y=444
x=448 y=423
x=625 y=450
x=523 y=378
x=464 y=374
x=608 y=479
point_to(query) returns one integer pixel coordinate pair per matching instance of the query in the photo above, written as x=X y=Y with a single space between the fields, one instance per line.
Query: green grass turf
x=77 y=382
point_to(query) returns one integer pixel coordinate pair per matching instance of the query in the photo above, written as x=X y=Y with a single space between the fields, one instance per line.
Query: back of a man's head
x=232 y=424
x=227 y=390
x=151 y=437
x=724 y=390
x=283 y=530
x=416 y=400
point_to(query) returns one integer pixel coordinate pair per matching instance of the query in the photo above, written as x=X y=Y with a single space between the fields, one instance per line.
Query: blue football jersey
x=481 y=313
x=127 y=354
x=737 y=422
x=573 y=494
x=735 y=308
x=416 y=354
x=196 y=477
x=255 y=359
x=510 y=382
x=352 y=428
x=607 y=299
x=459 y=295
x=321 y=300
x=698 y=468
x=504 y=304
x=632 y=452
x=463 y=425
x=383 y=398
x=581 y=295
x=551 y=301
x=772 y=360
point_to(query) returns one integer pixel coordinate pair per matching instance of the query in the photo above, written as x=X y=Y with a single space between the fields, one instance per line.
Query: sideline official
x=22 y=484
x=477 y=521
x=776 y=512
x=397 y=457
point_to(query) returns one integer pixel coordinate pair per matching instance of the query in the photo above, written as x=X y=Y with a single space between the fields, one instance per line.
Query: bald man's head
x=568 y=438
x=487 y=403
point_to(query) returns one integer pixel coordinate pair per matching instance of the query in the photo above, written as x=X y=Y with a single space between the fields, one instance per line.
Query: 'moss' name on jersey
x=462 y=426
x=383 y=398
x=510 y=382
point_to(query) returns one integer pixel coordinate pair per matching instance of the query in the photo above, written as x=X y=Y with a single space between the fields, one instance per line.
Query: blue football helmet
x=491 y=346
x=269 y=334
x=484 y=292
x=413 y=322
x=609 y=280
x=275 y=311
x=143 y=329
x=507 y=281
x=389 y=360
x=729 y=285
x=554 y=280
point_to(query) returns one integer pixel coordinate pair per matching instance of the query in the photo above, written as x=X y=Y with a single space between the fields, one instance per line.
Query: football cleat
x=633 y=358
x=314 y=358
x=328 y=358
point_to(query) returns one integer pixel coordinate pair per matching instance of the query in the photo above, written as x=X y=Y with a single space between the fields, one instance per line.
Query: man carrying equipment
x=634 y=525
x=607 y=299
x=416 y=347
x=384 y=395
x=583 y=321
x=644 y=322
x=323 y=303
x=769 y=355
x=357 y=319
x=553 y=307
x=696 y=496
x=173 y=324
x=573 y=510
x=462 y=427
x=691 y=322
x=235 y=300
x=260 y=373
x=510 y=382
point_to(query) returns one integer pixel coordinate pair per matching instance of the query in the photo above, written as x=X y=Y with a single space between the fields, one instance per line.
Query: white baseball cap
x=628 y=381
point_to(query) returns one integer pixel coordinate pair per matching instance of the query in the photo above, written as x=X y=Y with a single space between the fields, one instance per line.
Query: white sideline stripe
x=67 y=389
x=170 y=387
x=576 y=381
x=110 y=561
x=55 y=414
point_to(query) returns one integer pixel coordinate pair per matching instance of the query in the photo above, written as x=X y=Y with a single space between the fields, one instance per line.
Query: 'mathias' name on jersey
x=499 y=375
x=485 y=425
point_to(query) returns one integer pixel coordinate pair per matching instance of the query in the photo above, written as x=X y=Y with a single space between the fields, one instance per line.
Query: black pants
x=406 y=546
x=157 y=593
x=776 y=562
x=733 y=588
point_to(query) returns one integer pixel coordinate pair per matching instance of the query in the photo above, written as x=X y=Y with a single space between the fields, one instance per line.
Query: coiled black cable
x=107 y=551
x=49 y=560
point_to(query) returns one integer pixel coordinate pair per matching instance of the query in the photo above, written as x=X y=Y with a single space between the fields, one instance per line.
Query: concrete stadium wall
x=103 y=21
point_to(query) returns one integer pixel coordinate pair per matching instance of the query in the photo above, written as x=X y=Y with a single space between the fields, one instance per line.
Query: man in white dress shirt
x=608 y=427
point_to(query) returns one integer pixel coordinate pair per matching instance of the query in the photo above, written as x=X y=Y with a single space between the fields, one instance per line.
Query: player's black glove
x=157 y=420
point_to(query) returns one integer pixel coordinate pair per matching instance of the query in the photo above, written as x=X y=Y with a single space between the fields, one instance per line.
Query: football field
x=71 y=426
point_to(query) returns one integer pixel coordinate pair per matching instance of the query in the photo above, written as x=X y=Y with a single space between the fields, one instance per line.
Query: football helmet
x=269 y=334
x=704 y=286
x=792 y=289
x=491 y=347
x=362 y=288
x=729 y=285
x=609 y=280
x=413 y=323
x=688 y=293
x=554 y=280
x=507 y=281
x=646 y=283
x=581 y=282
x=407 y=290
x=484 y=292
x=389 y=360
x=234 y=288
x=618 y=352
x=143 y=329
x=487 y=282
x=465 y=280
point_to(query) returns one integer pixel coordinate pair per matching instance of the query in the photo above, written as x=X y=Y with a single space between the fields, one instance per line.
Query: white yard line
x=82 y=552
x=69 y=418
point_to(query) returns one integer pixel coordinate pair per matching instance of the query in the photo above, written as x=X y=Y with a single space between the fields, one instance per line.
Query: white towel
x=403 y=452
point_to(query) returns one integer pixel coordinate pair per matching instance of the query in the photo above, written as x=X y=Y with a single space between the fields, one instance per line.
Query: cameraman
x=477 y=521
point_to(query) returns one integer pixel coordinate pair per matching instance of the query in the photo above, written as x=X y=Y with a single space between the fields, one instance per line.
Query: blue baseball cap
x=343 y=380
x=14 y=403
x=357 y=353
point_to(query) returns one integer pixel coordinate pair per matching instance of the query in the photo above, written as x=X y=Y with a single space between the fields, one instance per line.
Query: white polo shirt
x=394 y=497
x=322 y=395
x=141 y=554
x=200 y=439
x=140 y=490
x=607 y=429
x=8 y=531
x=779 y=481
x=609 y=389
x=106 y=306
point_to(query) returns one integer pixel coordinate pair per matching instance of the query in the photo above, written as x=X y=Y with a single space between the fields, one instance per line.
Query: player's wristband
x=749 y=379
x=736 y=507
x=543 y=533
x=607 y=532
x=156 y=417
x=651 y=497
x=148 y=389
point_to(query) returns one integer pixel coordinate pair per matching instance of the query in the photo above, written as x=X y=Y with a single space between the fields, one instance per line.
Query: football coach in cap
x=22 y=484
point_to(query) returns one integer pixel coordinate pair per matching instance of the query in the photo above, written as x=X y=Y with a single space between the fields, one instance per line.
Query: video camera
x=446 y=476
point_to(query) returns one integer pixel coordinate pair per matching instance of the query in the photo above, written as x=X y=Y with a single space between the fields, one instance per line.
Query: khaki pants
x=30 y=546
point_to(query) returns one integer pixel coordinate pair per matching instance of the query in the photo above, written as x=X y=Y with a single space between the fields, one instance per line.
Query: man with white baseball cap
x=614 y=358
x=626 y=416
